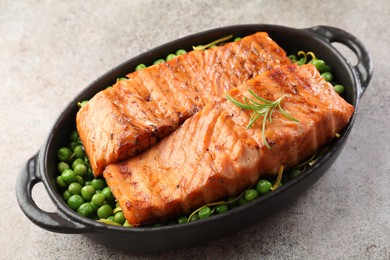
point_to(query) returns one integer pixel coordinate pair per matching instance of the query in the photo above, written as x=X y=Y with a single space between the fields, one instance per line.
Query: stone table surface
x=51 y=50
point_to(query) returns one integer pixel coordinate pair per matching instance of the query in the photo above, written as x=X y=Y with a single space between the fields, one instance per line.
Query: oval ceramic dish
x=42 y=167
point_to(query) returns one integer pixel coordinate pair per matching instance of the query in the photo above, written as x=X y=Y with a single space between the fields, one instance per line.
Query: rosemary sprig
x=261 y=107
x=203 y=47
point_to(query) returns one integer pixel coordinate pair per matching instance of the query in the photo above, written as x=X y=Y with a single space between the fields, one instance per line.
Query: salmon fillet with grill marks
x=134 y=114
x=213 y=155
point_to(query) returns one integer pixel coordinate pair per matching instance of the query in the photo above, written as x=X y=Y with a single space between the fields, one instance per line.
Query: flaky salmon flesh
x=124 y=120
x=213 y=155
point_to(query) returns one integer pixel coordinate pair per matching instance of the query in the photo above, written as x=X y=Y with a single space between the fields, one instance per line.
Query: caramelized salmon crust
x=213 y=155
x=124 y=120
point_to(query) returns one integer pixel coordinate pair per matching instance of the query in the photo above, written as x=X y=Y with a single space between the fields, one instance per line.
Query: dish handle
x=364 y=67
x=52 y=221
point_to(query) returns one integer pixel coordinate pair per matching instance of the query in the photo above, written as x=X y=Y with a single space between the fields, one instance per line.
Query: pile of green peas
x=88 y=196
x=92 y=198
x=322 y=67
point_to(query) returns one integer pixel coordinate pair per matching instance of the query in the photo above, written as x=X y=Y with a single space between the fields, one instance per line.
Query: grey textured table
x=50 y=50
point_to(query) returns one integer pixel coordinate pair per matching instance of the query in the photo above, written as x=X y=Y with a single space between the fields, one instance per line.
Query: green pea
x=104 y=211
x=237 y=39
x=340 y=89
x=140 y=67
x=74 y=136
x=75 y=201
x=251 y=194
x=72 y=145
x=60 y=182
x=242 y=201
x=62 y=166
x=180 y=52
x=120 y=217
x=263 y=186
x=86 y=163
x=170 y=57
x=85 y=209
x=75 y=188
x=66 y=195
x=98 y=199
x=87 y=192
x=68 y=176
x=80 y=169
x=78 y=161
x=205 y=212
x=327 y=68
x=194 y=218
x=108 y=194
x=293 y=58
x=79 y=152
x=64 y=154
x=111 y=218
x=327 y=76
x=158 y=61
x=319 y=64
x=295 y=173
x=121 y=78
x=221 y=208
x=126 y=224
x=301 y=61
x=98 y=184
x=80 y=180
x=182 y=220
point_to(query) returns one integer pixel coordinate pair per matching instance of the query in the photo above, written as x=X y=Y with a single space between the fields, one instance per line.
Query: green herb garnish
x=203 y=47
x=265 y=109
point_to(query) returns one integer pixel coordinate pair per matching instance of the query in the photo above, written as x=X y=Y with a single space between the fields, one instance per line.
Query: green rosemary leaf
x=263 y=131
x=253 y=119
x=238 y=104
x=270 y=114
x=286 y=114
x=259 y=98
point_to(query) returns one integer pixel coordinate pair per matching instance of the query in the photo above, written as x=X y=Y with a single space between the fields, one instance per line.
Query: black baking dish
x=42 y=166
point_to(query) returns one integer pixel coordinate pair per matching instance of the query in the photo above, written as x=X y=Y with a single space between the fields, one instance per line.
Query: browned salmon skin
x=134 y=114
x=213 y=155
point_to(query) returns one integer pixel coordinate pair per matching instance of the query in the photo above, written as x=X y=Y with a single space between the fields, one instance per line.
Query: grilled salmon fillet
x=213 y=155
x=122 y=121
